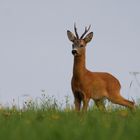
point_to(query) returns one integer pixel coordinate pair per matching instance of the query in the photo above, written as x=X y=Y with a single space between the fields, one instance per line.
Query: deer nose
x=74 y=52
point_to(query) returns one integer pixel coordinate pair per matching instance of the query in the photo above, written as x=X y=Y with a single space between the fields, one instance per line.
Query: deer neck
x=79 y=67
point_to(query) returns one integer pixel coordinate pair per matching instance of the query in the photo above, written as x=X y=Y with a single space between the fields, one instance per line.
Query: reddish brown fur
x=88 y=85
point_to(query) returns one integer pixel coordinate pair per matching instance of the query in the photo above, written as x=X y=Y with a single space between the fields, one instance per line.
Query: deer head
x=78 y=46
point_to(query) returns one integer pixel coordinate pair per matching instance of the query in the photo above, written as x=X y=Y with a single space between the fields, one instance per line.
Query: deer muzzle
x=74 y=52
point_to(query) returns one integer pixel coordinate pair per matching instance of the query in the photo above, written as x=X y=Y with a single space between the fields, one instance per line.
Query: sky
x=35 y=53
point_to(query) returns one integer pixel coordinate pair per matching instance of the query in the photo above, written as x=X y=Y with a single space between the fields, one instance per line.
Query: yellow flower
x=55 y=117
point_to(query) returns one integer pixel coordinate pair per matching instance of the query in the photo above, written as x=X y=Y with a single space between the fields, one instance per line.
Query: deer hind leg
x=118 y=99
x=100 y=104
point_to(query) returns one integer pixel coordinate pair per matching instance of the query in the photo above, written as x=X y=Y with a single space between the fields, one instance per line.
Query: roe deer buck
x=88 y=85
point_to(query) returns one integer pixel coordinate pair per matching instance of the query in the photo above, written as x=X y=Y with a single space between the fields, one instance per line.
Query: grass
x=47 y=121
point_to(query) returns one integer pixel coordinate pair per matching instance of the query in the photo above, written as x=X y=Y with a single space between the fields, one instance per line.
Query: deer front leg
x=85 y=104
x=77 y=104
x=78 y=96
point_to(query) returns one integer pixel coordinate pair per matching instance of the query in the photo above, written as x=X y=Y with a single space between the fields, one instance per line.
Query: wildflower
x=55 y=117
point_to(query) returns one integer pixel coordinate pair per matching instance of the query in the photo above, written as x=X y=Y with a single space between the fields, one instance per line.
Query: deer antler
x=75 y=29
x=86 y=30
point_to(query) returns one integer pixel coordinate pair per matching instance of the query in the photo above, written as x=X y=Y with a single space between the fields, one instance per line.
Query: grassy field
x=52 y=123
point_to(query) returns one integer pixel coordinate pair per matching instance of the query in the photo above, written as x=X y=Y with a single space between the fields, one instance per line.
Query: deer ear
x=71 y=36
x=88 y=37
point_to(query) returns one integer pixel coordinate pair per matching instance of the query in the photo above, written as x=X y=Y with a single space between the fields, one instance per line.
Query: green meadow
x=48 y=121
